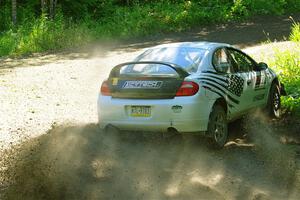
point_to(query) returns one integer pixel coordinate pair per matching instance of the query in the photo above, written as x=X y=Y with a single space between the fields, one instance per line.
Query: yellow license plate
x=140 y=111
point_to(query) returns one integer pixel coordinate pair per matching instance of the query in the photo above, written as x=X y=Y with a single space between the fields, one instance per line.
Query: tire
x=218 y=127
x=274 y=103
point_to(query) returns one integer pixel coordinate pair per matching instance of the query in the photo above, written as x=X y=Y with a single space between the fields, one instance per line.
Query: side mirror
x=262 y=66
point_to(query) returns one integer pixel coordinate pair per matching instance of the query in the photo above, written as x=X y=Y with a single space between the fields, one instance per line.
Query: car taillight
x=105 y=91
x=187 y=88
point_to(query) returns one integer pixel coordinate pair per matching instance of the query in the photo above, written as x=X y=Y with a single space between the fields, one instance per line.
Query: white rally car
x=191 y=87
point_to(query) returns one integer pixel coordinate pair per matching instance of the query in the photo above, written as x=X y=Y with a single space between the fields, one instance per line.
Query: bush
x=287 y=64
x=7 y=43
x=46 y=35
x=155 y=18
x=267 y=6
x=43 y=35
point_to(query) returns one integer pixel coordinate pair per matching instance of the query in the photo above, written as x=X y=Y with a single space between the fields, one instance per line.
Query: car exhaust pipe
x=171 y=131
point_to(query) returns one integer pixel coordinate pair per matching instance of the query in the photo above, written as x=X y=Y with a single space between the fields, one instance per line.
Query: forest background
x=29 y=26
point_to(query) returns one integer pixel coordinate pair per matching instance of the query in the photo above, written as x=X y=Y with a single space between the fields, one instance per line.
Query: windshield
x=188 y=58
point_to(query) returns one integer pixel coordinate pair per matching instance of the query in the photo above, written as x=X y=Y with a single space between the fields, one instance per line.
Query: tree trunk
x=43 y=6
x=14 y=11
x=51 y=9
x=54 y=8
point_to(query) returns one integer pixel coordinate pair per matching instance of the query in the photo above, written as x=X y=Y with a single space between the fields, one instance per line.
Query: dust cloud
x=83 y=162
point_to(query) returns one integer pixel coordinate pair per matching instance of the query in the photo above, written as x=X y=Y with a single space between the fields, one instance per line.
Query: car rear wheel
x=274 y=103
x=218 y=127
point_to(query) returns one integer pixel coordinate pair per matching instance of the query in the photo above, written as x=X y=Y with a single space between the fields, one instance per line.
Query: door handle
x=249 y=82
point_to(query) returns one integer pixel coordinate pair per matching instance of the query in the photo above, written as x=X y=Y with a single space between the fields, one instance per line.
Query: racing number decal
x=260 y=84
x=261 y=80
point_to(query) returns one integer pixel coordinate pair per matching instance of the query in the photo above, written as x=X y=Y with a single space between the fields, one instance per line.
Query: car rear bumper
x=193 y=117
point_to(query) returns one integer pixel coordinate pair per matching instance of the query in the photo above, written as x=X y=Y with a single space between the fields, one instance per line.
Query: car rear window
x=188 y=58
x=148 y=69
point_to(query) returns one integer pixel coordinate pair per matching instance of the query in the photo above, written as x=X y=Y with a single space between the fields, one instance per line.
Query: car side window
x=221 y=61
x=241 y=62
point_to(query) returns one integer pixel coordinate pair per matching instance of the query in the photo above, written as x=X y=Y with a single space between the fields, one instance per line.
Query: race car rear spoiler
x=115 y=72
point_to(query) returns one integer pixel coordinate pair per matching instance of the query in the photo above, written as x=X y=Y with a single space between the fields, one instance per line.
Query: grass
x=43 y=35
x=295 y=35
x=287 y=64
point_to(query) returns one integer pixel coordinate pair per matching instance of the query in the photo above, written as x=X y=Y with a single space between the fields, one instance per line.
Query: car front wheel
x=218 y=127
x=274 y=103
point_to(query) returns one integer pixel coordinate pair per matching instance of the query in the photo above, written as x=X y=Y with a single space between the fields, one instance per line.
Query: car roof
x=200 y=45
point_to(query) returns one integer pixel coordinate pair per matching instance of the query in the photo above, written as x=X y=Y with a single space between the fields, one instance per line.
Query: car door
x=243 y=81
x=260 y=86
x=228 y=83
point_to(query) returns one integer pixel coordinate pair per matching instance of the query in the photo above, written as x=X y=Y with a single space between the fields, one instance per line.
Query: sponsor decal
x=260 y=81
x=115 y=81
x=177 y=109
x=142 y=84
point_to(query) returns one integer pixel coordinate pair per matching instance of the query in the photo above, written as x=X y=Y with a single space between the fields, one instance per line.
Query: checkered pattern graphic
x=235 y=85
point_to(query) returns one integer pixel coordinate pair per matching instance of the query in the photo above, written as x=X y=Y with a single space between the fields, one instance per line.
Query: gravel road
x=51 y=148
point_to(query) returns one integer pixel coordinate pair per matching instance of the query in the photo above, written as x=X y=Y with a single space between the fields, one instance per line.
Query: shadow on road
x=82 y=162
x=242 y=34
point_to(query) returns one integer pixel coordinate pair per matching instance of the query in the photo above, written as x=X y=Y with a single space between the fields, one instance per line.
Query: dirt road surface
x=51 y=147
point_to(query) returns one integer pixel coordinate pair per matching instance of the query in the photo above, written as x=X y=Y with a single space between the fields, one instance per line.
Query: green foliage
x=161 y=17
x=43 y=35
x=239 y=9
x=267 y=6
x=82 y=21
x=5 y=18
x=7 y=43
x=287 y=64
x=295 y=35
x=46 y=35
x=292 y=6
